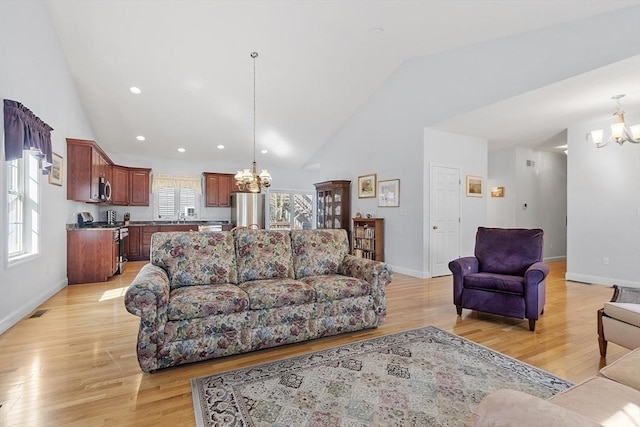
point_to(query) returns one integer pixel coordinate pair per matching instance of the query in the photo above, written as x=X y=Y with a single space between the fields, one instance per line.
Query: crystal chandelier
x=249 y=179
x=619 y=131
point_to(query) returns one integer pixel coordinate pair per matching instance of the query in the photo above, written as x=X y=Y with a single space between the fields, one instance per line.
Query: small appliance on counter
x=127 y=216
x=85 y=219
x=111 y=217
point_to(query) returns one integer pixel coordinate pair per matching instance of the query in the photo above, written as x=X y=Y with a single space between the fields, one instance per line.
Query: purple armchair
x=506 y=276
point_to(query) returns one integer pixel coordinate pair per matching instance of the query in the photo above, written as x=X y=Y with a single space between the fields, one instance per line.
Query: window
x=23 y=207
x=176 y=203
x=290 y=209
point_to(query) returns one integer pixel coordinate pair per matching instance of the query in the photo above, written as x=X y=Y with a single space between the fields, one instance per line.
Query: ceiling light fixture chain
x=619 y=131
x=249 y=180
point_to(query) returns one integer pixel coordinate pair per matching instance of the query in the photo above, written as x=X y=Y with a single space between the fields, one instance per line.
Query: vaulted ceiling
x=318 y=62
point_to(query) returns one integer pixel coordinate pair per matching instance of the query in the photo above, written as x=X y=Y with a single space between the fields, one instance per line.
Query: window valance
x=23 y=130
x=160 y=181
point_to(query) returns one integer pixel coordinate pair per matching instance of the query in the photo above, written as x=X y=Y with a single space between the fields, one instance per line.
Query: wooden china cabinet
x=333 y=200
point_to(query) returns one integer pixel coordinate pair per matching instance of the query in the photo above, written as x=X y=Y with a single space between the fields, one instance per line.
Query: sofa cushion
x=333 y=287
x=625 y=370
x=272 y=293
x=494 y=282
x=508 y=250
x=263 y=254
x=624 y=311
x=317 y=252
x=192 y=302
x=195 y=258
x=601 y=400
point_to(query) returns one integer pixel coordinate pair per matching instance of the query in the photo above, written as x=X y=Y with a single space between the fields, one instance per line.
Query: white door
x=445 y=219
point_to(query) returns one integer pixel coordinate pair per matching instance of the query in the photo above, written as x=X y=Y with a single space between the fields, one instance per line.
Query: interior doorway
x=444 y=222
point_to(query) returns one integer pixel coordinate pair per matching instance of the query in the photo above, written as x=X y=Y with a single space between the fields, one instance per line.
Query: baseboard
x=596 y=280
x=555 y=258
x=23 y=311
x=409 y=272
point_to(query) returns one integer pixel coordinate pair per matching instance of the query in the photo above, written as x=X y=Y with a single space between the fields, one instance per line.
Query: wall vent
x=37 y=314
x=531 y=163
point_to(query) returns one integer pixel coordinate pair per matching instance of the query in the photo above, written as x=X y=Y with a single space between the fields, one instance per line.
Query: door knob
x=435 y=227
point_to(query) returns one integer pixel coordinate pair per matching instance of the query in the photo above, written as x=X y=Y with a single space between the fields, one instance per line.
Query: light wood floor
x=76 y=364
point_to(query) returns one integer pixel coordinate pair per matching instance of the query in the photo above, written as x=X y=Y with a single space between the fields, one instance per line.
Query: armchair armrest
x=515 y=408
x=376 y=273
x=461 y=267
x=536 y=273
x=148 y=298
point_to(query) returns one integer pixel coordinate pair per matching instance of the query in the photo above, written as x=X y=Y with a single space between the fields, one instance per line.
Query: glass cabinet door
x=321 y=215
x=337 y=208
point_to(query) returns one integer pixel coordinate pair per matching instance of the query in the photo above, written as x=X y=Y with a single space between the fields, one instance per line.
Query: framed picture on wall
x=55 y=176
x=497 y=191
x=389 y=193
x=474 y=186
x=367 y=186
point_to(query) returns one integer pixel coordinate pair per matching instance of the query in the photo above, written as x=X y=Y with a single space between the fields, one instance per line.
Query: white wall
x=470 y=155
x=385 y=135
x=542 y=187
x=33 y=71
x=603 y=198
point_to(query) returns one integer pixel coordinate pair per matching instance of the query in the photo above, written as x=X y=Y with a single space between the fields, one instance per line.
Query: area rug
x=423 y=377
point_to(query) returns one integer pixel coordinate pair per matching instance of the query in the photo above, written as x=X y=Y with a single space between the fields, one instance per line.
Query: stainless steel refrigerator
x=247 y=209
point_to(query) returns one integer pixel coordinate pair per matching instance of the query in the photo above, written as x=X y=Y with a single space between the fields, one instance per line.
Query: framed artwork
x=389 y=193
x=475 y=186
x=367 y=186
x=497 y=191
x=55 y=177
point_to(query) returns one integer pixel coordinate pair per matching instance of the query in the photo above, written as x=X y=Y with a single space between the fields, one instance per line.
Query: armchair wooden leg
x=459 y=310
x=602 y=343
x=532 y=325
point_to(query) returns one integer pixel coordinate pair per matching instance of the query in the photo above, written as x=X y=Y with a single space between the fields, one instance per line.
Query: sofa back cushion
x=508 y=250
x=318 y=252
x=263 y=254
x=195 y=257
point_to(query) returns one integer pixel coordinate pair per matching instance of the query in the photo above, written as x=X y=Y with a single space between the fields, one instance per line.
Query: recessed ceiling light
x=140 y=138
x=135 y=90
x=220 y=147
x=181 y=150
x=377 y=30
x=264 y=151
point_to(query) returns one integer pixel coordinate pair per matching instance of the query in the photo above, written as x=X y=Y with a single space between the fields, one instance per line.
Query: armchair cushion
x=496 y=282
x=508 y=251
x=624 y=311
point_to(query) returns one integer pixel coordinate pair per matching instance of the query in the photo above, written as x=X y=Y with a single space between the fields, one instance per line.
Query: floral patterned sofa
x=213 y=294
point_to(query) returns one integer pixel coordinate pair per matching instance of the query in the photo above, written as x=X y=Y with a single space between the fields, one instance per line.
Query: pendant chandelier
x=619 y=131
x=249 y=179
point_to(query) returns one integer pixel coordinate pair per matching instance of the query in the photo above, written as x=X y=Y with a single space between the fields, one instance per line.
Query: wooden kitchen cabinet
x=218 y=188
x=86 y=163
x=92 y=255
x=139 y=186
x=133 y=243
x=120 y=186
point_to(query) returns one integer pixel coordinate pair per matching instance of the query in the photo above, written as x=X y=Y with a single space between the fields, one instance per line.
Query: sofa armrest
x=461 y=267
x=504 y=408
x=148 y=298
x=377 y=274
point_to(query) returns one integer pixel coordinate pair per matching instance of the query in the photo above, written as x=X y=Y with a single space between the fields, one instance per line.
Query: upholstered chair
x=506 y=275
x=619 y=320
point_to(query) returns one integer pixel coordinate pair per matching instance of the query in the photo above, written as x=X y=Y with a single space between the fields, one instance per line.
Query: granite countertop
x=118 y=224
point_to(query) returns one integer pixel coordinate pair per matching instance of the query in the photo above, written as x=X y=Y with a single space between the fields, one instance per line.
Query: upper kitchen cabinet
x=139 y=186
x=88 y=172
x=218 y=188
x=120 y=184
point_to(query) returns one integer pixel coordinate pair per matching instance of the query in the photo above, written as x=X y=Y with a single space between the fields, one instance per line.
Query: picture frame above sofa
x=367 y=186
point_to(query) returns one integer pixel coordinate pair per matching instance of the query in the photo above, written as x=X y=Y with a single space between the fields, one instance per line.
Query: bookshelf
x=368 y=238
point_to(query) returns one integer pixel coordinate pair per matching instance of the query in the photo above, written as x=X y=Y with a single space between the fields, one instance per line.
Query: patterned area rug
x=423 y=377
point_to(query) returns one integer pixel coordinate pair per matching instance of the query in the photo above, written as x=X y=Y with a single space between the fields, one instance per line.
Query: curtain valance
x=160 y=181
x=23 y=130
